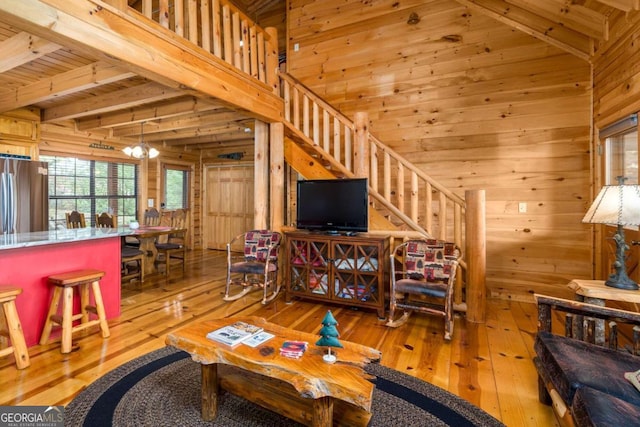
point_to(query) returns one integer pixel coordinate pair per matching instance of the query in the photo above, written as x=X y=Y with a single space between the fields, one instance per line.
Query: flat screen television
x=333 y=205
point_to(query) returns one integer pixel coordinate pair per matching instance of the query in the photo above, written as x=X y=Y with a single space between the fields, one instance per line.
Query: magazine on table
x=257 y=339
x=235 y=333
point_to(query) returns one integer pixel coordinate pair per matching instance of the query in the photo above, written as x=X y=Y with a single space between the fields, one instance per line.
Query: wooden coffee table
x=307 y=390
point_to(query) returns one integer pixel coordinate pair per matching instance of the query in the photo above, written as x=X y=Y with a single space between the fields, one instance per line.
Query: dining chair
x=132 y=259
x=106 y=220
x=175 y=246
x=151 y=217
x=423 y=274
x=75 y=219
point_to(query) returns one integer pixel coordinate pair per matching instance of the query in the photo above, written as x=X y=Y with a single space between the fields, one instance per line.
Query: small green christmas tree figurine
x=329 y=334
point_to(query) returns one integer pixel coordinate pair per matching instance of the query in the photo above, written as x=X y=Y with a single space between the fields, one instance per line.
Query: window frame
x=187 y=170
x=116 y=202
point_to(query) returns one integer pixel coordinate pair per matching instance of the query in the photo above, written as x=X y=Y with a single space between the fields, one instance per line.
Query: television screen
x=333 y=205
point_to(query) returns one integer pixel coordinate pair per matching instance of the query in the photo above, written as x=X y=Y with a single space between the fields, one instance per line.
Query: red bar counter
x=27 y=259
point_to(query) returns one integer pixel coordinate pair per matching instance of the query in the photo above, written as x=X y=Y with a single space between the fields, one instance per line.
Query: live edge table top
x=310 y=375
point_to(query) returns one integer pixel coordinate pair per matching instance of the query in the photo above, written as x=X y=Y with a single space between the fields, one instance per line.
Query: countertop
x=40 y=238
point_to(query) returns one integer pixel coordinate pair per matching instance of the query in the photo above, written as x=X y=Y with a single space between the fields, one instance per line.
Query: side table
x=596 y=292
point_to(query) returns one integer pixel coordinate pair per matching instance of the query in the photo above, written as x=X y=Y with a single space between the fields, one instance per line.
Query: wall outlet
x=296 y=47
x=522 y=207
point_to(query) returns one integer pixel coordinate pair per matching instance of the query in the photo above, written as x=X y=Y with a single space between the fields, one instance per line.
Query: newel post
x=261 y=175
x=361 y=146
x=476 y=255
x=277 y=175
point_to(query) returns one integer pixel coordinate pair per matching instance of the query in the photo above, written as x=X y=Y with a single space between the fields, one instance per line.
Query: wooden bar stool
x=18 y=346
x=64 y=284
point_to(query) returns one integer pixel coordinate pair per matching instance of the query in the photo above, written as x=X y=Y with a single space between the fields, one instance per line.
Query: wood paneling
x=477 y=105
x=616 y=95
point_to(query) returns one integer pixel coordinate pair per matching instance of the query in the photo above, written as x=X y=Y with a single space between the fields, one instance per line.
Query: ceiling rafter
x=623 y=5
x=569 y=14
x=164 y=110
x=537 y=26
x=22 y=48
x=176 y=124
x=76 y=80
x=125 y=98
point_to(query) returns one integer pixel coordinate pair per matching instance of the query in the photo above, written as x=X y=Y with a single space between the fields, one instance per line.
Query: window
x=90 y=187
x=621 y=145
x=176 y=187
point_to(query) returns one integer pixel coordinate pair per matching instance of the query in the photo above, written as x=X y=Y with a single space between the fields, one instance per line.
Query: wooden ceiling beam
x=66 y=83
x=624 y=5
x=145 y=48
x=22 y=48
x=145 y=113
x=537 y=26
x=183 y=136
x=570 y=15
x=118 y=100
x=190 y=121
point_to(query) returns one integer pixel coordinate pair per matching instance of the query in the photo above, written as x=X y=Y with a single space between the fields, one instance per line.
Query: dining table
x=148 y=235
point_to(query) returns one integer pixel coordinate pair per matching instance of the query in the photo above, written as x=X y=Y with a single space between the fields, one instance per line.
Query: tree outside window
x=176 y=187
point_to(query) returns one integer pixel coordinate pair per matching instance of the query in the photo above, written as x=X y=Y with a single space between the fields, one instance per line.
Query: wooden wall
x=616 y=95
x=477 y=105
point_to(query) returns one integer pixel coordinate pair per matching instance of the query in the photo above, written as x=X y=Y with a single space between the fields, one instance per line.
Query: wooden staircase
x=321 y=142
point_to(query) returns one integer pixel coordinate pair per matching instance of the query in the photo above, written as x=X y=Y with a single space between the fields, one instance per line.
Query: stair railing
x=419 y=202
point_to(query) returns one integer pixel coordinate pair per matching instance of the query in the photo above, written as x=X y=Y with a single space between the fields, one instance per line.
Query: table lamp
x=617 y=205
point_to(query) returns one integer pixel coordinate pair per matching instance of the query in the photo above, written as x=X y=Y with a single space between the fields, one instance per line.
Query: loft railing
x=222 y=29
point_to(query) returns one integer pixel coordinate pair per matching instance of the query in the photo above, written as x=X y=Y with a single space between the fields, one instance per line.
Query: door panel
x=228 y=209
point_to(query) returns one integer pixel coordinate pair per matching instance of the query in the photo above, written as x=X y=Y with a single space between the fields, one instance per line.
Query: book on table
x=293 y=349
x=235 y=333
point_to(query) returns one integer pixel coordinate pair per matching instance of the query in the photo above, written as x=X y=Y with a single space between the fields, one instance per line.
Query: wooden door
x=228 y=206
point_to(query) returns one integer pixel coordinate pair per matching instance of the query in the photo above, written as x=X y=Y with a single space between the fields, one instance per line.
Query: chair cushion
x=165 y=246
x=129 y=252
x=420 y=287
x=261 y=244
x=571 y=364
x=251 y=267
x=592 y=407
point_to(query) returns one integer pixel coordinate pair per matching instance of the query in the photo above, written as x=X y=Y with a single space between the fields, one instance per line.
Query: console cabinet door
x=309 y=267
x=356 y=272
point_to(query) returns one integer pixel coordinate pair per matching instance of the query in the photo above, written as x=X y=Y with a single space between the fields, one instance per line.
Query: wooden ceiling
x=100 y=100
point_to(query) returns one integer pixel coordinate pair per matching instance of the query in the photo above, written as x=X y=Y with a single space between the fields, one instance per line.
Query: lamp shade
x=616 y=205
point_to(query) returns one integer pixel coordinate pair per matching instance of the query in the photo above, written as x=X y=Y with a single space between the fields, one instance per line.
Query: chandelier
x=141 y=150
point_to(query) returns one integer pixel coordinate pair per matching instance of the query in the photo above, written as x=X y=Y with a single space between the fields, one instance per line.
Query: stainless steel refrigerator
x=24 y=196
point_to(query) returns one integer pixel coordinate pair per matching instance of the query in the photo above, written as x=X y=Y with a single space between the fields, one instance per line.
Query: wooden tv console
x=340 y=269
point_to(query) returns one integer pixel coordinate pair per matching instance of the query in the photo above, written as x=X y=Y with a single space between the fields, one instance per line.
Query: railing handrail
x=291 y=84
x=348 y=122
x=222 y=29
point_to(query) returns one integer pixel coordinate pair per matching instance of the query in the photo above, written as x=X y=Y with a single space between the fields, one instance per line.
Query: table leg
x=322 y=412
x=148 y=246
x=209 y=391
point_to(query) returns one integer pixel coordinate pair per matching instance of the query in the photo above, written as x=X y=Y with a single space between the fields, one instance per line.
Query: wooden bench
x=582 y=380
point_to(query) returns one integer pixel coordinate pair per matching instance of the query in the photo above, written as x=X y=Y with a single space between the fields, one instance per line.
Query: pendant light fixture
x=141 y=150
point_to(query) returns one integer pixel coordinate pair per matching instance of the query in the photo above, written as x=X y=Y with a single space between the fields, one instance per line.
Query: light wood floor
x=489 y=364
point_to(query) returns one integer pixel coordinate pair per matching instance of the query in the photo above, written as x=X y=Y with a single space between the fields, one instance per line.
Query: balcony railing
x=220 y=28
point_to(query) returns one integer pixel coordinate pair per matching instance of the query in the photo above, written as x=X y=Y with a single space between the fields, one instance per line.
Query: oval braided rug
x=162 y=388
